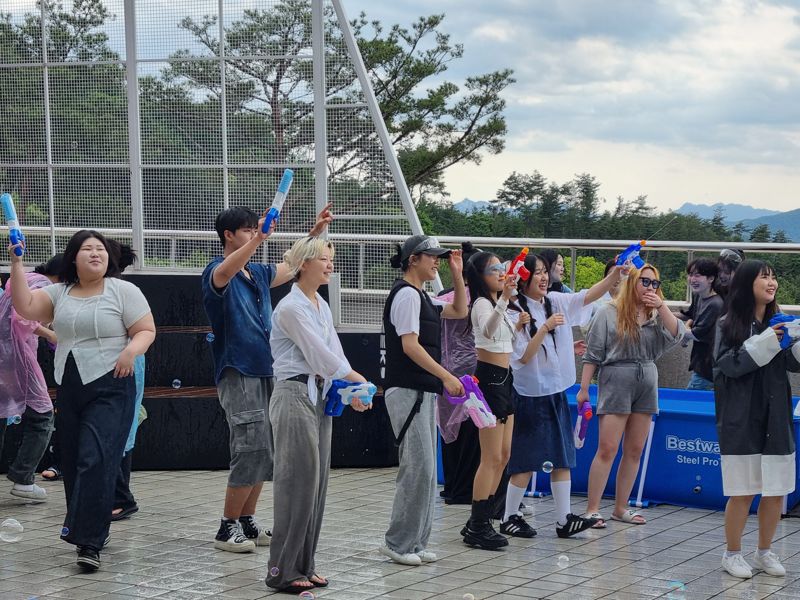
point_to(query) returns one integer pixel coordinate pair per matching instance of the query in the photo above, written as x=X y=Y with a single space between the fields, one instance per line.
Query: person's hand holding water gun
x=787 y=328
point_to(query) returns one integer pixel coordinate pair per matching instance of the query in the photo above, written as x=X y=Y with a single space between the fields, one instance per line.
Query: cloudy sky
x=681 y=100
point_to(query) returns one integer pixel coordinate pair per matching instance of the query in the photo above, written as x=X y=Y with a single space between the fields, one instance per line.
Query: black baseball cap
x=422 y=244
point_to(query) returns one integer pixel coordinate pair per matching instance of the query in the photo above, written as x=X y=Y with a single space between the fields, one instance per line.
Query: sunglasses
x=647 y=282
x=497 y=269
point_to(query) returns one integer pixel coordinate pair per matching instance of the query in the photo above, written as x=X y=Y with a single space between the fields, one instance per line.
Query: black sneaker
x=231 y=538
x=483 y=536
x=253 y=531
x=88 y=559
x=574 y=524
x=516 y=526
x=105 y=543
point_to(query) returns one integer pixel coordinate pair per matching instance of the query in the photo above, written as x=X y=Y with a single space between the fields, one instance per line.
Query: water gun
x=274 y=213
x=791 y=328
x=517 y=266
x=474 y=402
x=630 y=256
x=14 y=232
x=342 y=394
x=582 y=423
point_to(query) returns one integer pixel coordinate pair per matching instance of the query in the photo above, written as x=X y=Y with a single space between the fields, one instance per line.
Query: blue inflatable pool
x=680 y=464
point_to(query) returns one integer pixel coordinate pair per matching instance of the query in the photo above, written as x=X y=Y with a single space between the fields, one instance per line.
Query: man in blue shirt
x=237 y=301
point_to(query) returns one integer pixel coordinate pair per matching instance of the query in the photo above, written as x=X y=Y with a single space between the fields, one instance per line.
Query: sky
x=680 y=100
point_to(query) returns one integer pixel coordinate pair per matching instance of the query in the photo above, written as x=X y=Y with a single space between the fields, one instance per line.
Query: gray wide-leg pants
x=302 y=438
x=412 y=512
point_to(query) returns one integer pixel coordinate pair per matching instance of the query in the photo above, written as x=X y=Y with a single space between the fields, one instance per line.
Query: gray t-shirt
x=95 y=329
x=604 y=346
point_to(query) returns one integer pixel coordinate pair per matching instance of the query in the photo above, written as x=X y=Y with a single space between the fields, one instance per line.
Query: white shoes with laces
x=737 y=566
x=769 y=563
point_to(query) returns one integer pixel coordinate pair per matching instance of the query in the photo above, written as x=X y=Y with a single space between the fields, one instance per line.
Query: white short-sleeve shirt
x=404 y=313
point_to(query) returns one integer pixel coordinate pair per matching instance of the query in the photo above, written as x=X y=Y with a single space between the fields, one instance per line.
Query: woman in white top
x=307 y=358
x=102 y=324
x=490 y=291
x=544 y=367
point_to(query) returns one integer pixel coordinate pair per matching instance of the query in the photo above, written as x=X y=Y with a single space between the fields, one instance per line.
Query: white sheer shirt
x=304 y=342
x=493 y=330
x=552 y=371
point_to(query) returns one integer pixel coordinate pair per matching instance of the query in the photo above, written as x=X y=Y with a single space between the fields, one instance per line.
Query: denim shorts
x=245 y=401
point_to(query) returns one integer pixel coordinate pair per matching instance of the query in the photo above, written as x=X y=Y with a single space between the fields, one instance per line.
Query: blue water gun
x=14 y=232
x=791 y=328
x=274 y=213
x=630 y=256
x=343 y=392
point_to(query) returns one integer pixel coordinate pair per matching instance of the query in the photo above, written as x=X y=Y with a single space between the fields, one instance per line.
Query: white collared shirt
x=552 y=371
x=304 y=342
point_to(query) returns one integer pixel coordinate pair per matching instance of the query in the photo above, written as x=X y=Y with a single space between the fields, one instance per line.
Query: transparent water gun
x=274 y=212
x=582 y=423
x=343 y=392
x=630 y=256
x=791 y=328
x=474 y=402
x=14 y=232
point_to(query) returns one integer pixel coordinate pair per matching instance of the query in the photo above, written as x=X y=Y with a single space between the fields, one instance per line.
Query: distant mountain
x=733 y=212
x=468 y=206
x=788 y=221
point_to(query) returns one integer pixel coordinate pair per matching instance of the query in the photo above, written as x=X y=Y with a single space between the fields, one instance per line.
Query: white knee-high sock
x=514 y=497
x=561 y=496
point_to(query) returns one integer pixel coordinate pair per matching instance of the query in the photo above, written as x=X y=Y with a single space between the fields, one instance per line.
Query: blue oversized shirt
x=241 y=320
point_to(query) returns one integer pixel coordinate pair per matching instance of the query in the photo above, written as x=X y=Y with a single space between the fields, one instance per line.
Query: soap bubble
x=274 y=571
x=64 y=531
x=547 y=467
x=176 y=383
x=11 y=530
x=677 y=590
x=15 y=420
x=563 y=561
x=210 y=337
x=307 y=595
x=469 y=597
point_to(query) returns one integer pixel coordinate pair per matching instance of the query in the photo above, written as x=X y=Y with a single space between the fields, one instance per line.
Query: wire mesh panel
x=226 y=99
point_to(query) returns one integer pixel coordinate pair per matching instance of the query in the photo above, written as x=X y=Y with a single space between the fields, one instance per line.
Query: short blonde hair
x=307 y=248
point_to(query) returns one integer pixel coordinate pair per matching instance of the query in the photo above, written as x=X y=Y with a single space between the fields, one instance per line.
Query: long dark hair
x=740 y=305
x=69 y=273
x=530 y=264
x=476 y=283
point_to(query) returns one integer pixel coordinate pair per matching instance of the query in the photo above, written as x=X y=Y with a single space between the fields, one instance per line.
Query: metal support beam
x=320 y=97
x=134 y=134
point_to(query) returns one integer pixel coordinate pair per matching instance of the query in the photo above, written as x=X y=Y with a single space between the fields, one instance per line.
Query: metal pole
x=223 y=107
x=134 y=135
x=320 y=112
x=48 y=134
x=689 y=259
x=573 y=255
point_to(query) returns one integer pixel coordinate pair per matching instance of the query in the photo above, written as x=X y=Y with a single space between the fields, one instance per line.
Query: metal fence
x=144 y=119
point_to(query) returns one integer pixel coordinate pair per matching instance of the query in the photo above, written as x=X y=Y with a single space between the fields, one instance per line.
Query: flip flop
x=295 y=589
x=629 y=516
x=601 y=521
x=320 y=584
x=55 y=470
x=125 y=513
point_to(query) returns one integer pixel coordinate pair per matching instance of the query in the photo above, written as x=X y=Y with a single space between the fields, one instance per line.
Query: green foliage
x=588 y=271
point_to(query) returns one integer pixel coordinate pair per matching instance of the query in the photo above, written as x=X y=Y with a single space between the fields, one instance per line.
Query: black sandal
x=319 y=584
x=55 y=470
x=125 y=513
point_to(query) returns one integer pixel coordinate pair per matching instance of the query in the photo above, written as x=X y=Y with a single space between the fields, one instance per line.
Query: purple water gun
x=582 y=423
x=474 y=402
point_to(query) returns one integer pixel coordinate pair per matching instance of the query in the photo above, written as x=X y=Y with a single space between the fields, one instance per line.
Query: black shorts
x=495 y=383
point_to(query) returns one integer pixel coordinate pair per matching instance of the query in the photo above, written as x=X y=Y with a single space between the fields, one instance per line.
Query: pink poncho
x=460 y=358
x=22 y=382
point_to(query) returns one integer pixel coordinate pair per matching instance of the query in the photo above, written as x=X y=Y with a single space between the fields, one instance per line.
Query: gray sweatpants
x=302 y=436
x=412 y=512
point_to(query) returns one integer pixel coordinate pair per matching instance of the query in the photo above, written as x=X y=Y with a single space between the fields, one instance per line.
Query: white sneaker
x=769 y=563
x=737 y=566
x=36 y=493
x=427 y=557
x=410 y=559
x=527 y=511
